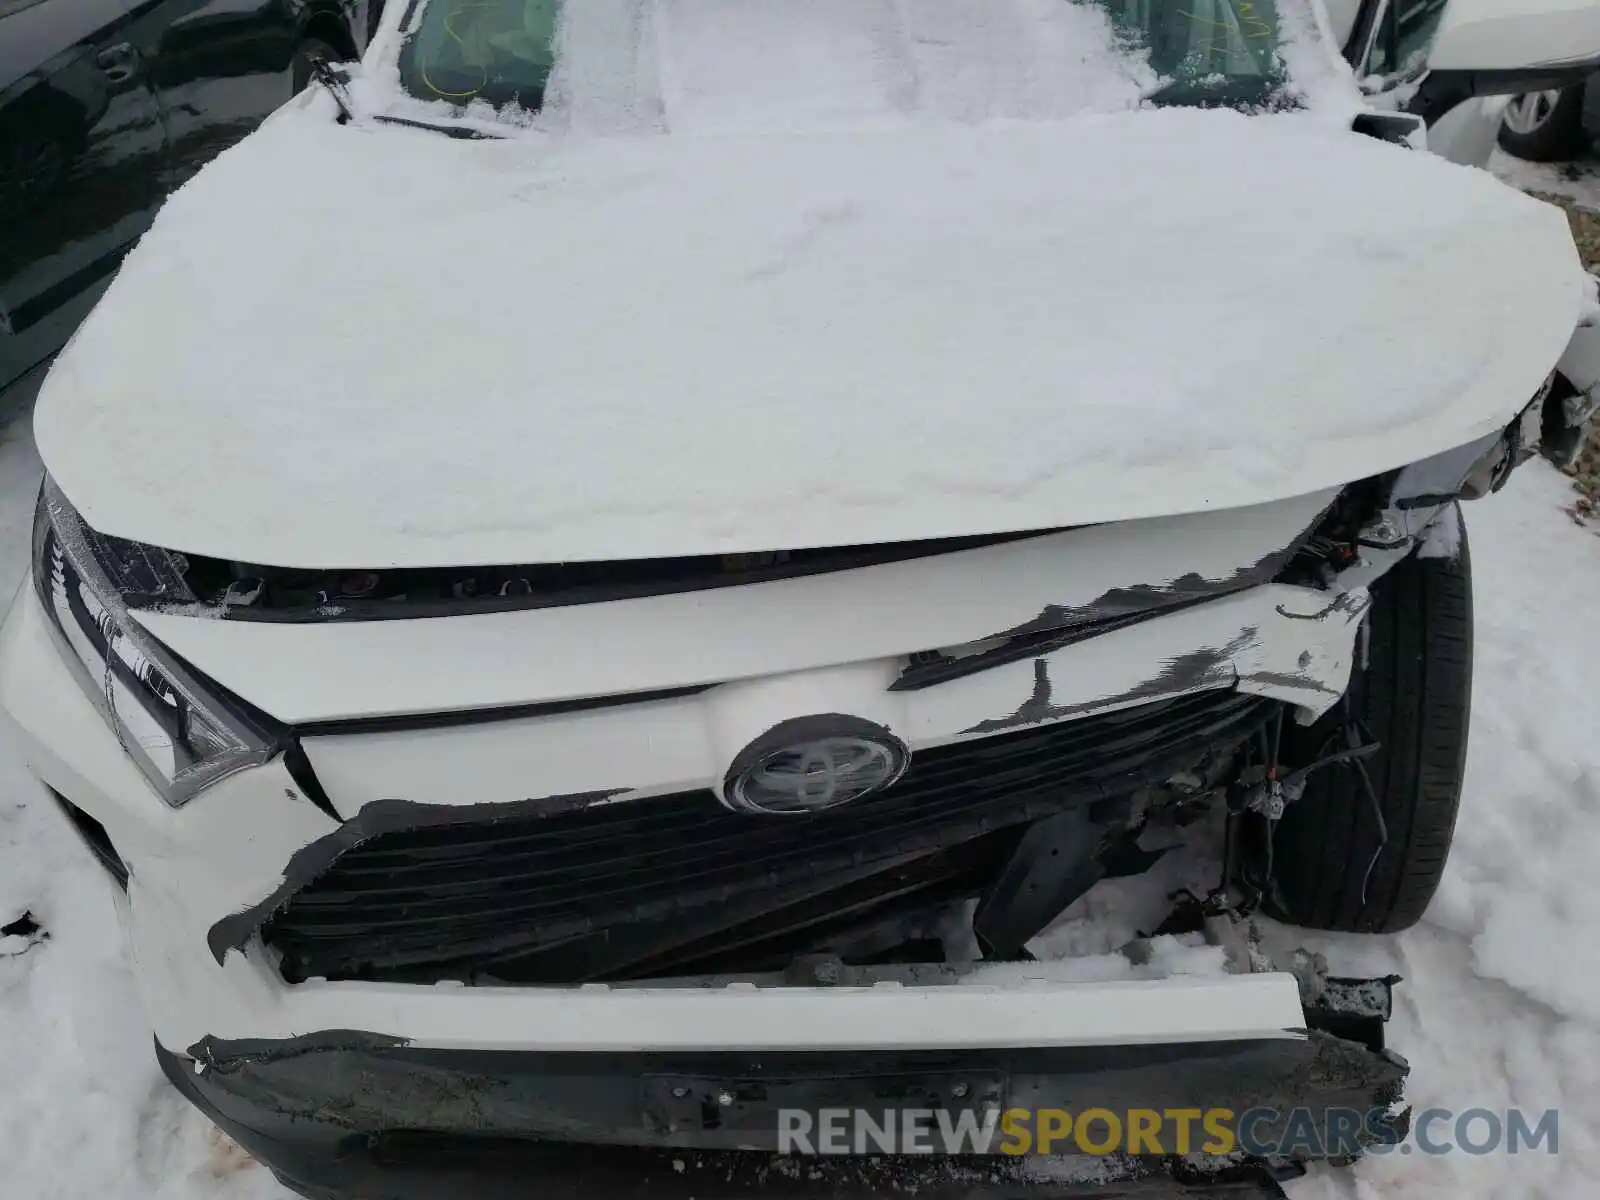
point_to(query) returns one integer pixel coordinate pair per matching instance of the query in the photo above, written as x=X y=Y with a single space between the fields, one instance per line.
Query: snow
x=824 y=338
x=1579 y=181
x=849 y=61
x=1500 y=1006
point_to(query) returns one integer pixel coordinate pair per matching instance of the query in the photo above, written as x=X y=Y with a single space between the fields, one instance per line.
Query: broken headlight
x=182 y=734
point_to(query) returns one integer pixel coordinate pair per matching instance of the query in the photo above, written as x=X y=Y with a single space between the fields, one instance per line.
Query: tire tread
x=1415 y=698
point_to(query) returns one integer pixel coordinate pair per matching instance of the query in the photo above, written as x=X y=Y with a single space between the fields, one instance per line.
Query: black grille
x=630 y=888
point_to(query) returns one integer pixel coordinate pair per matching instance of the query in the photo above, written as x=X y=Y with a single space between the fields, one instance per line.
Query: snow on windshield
x=722 y=65
x=730 y=64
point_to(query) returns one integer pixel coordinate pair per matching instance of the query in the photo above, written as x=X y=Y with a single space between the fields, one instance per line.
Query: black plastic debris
x=24 y=927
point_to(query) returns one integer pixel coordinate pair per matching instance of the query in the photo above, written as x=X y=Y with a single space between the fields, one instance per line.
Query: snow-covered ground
x=1500 y=1008
x=1580 y=180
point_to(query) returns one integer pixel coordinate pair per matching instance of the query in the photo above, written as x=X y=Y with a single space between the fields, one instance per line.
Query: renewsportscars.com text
x=1149 y=1131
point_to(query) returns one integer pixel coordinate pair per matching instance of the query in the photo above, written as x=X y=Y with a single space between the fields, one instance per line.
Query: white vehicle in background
x=1390 y=44
x=775 y=503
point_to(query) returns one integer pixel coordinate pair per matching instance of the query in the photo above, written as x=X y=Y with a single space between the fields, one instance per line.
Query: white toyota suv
x=636 y=633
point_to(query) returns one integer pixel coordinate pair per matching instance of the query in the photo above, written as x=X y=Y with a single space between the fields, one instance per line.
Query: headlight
x=183 y=736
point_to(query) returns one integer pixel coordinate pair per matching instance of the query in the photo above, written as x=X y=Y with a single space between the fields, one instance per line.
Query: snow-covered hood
x=368 y=346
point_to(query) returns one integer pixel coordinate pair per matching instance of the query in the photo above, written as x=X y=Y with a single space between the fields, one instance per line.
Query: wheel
x=1334 y=866
x=1545 y=126
x=310 y=51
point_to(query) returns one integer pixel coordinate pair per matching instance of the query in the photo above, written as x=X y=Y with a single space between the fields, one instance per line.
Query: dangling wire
x=1365 y=744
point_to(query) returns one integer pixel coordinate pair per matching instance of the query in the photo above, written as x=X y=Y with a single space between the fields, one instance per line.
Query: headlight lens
x=184 y=737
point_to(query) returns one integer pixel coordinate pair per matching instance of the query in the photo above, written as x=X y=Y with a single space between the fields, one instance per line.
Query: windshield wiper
x=455 y=131
x=334 y=84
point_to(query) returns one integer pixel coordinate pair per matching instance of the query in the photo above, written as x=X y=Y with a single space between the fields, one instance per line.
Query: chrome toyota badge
x=814 y=763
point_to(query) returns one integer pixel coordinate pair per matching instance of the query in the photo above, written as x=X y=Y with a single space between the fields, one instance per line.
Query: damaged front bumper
x=871 y=1089
x=318 y=893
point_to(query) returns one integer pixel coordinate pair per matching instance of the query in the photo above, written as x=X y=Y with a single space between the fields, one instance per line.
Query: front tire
x=1414 y=696
x=1545 y=126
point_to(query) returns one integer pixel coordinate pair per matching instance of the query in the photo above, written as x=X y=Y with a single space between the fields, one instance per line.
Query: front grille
x=638 y=888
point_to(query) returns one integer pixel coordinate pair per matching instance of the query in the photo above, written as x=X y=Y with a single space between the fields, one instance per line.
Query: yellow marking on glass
x=450 y=32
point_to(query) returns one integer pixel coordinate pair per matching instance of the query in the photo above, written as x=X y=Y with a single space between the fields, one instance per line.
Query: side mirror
x=1506 y=47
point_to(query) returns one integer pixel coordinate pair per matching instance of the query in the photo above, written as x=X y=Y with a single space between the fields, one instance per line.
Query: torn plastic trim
x=1058 y=626
x=234 y=1054
x=1298 y=649
x=399 y=722
x=415 y=1124
x=1202 y=668
x=1400 y=129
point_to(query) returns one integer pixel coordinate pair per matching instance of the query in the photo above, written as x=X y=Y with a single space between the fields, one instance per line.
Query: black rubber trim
x=459 y=132
x=299 y=768
x=845 y=558
x=481 y=716
x=1395 y=128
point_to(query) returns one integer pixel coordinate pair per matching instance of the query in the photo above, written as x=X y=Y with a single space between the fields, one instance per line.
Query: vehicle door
x=224 y=66
x=82 y=150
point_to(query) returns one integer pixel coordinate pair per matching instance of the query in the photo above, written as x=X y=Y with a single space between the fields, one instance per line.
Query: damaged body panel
x=1261 y=640
x=337 y=1118
x=473 y=663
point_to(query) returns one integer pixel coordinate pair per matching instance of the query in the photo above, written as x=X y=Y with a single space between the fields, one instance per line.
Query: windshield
x=1195 y=51
x=499 y=51
x=1209 y=51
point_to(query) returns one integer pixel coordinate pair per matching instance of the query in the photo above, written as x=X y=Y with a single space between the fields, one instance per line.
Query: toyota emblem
x=814 y=763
